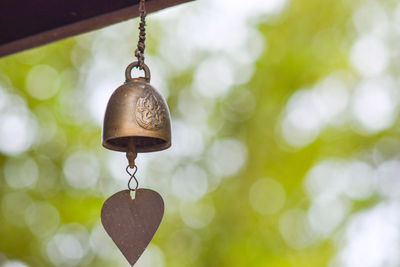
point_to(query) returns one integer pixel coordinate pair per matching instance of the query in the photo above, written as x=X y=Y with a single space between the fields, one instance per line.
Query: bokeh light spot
x=34 y=218
x=42 y=82
x=369 y=56
x=375 y=105
x=189 y=183
x=371 y=238
x=326 y=213
x=20 y=173
x=81 y=170
x=14 y=206
x=17 y=125
x=388 y=174
x=152 y=256
x=214 y=77
x=14 y=264
x=197 y=214
x=295 y=229
x=267 y=196
x=69 y=246
x=226 y=157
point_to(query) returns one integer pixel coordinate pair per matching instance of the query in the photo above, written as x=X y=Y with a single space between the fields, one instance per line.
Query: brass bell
x=137 y=117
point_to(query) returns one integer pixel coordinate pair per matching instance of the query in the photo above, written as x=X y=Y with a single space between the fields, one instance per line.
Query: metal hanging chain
x=139 y=52
x=132 y=175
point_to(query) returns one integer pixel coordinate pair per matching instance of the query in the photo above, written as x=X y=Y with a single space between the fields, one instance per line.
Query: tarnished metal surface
x=137 y=117
x=131 y=224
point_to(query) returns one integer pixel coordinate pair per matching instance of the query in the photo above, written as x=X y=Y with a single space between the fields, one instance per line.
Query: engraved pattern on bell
x=150 y=111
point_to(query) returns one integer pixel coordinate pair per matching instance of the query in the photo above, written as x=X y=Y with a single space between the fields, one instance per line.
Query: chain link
x=139 y=52
x=132 y=176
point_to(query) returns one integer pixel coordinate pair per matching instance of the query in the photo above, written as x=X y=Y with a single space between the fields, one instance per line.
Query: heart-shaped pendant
x=132 y=223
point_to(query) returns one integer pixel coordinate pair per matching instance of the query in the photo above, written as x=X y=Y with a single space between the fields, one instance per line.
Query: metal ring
x=136 y=64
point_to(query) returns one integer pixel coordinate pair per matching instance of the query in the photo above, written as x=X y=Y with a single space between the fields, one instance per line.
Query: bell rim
x=106 y=144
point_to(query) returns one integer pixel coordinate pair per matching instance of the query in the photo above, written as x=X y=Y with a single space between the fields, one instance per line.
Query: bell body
x=137 y=117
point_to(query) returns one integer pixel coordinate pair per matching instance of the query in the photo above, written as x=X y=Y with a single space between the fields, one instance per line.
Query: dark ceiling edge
x=84 y=26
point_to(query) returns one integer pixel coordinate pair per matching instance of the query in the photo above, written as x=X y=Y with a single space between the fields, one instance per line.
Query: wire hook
x=132 y=175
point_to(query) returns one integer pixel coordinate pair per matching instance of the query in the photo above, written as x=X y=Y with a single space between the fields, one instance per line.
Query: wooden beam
x=25 y=23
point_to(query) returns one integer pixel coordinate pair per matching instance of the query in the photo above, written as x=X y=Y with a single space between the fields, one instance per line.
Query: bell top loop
x=136 y=64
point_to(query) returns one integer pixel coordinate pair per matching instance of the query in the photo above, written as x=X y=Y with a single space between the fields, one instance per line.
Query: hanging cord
x=139 y=52
x=132 y=175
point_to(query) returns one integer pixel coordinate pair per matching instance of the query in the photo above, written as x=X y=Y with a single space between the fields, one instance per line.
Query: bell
x=137 y=117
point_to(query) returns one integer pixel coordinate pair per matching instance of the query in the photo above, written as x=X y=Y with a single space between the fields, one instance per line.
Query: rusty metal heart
x=132 y=223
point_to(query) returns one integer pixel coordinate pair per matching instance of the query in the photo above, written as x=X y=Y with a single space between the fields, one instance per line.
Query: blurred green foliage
x=306 y=42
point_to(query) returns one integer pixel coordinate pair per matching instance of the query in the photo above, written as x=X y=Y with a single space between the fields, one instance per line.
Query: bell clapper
x=131 y=153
